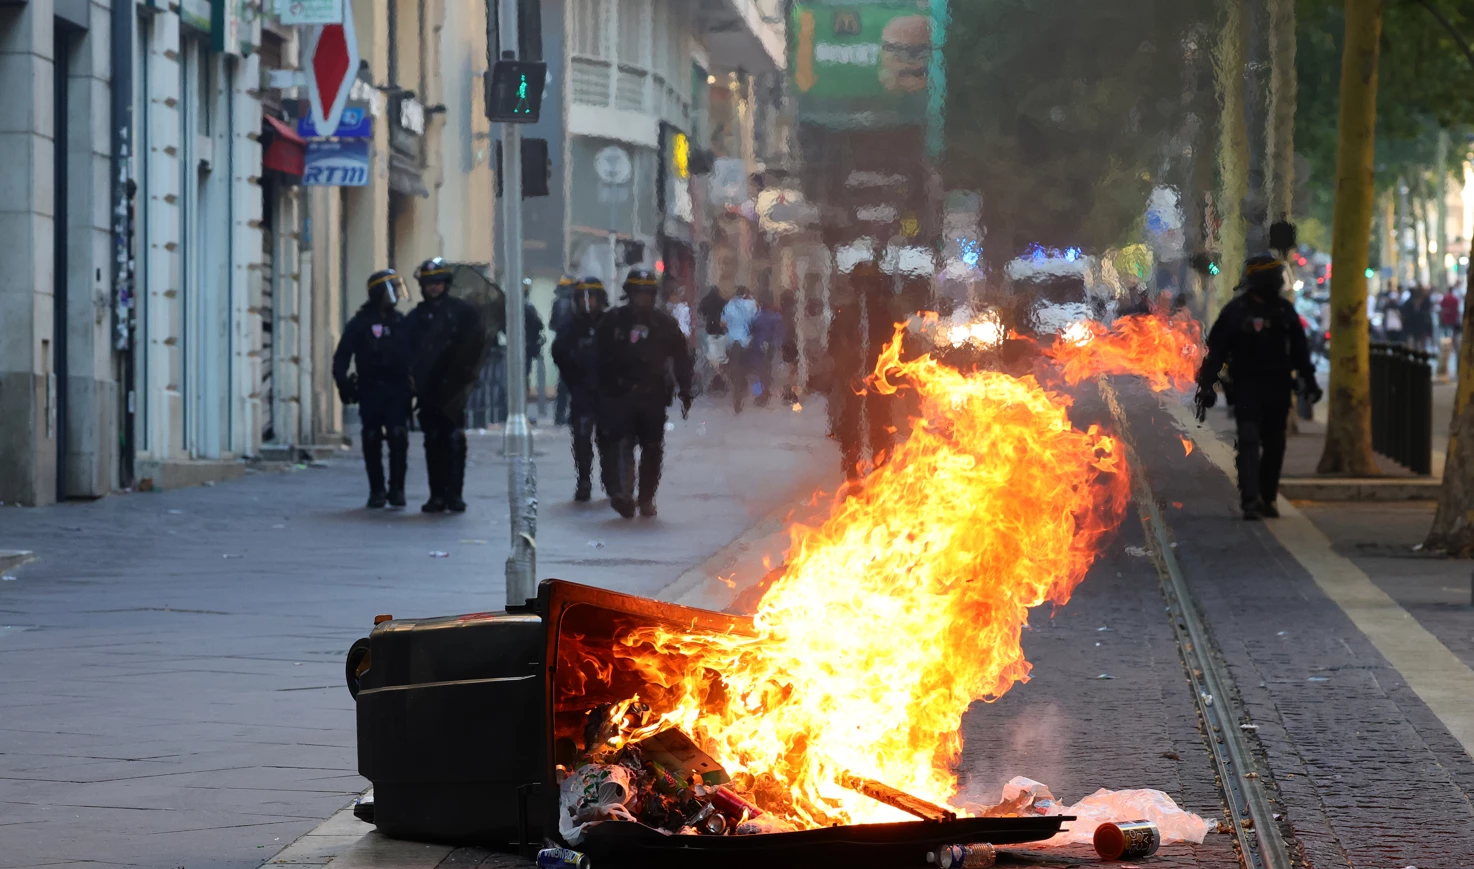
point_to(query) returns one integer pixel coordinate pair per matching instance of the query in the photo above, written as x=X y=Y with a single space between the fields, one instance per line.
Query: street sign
x=332 y=66
x=612 y=164
x=343 y=163
x=355 y=123
x=515 y=92
x=294 y=12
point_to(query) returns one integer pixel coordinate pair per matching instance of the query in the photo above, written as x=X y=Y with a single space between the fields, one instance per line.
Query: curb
x=1315 y=489
x=13 y=558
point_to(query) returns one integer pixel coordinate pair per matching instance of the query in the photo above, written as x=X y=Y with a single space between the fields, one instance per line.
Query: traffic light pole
x=517 y=444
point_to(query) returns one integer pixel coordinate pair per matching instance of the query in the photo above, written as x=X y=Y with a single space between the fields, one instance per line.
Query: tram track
x=1243 y=779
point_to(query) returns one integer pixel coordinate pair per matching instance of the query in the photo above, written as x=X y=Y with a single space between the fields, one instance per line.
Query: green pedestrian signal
x=514 y=91
x=1213 y=268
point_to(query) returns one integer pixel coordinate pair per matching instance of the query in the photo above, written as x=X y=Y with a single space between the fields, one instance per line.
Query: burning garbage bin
x=514 y=728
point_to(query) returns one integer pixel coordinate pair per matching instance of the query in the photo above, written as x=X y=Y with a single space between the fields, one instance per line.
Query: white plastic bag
x=1175 y=823
x=589 y=795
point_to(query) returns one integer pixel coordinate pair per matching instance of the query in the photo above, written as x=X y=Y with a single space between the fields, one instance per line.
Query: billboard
x=861 y=65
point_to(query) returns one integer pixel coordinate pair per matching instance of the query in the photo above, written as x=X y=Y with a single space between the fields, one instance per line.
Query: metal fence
x=1402 y=405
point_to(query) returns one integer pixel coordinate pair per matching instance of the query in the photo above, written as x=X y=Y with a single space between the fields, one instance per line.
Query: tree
x=1283 y=84
x=1065 y=153
x=1230 y=59
x=1348 y=448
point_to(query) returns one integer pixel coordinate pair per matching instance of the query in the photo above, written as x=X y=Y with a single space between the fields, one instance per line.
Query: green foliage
x=1061 y=111
x=1425 y=82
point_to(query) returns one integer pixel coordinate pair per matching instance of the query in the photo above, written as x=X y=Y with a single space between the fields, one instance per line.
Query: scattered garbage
x=1129 y=840
x=1144 y=806
x=1207 y=699
x=474 y=542
x=1283 y=634
x=1105 y=675
x=596 y=544
x=436 y=553
x=232 y=555
x=1319 y=679
x=561 y=858
x=670 y=426
x=7 y=578
x=1100 y=629
x=979 y=855
x=1248 y=727
x=1137 y=551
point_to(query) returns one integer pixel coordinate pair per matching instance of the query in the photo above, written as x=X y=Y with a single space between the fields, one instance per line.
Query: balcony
x=743 y=33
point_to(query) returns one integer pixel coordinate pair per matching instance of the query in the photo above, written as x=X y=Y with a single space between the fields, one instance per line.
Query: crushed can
x=1127 y=840
x=732 y=805
x=561 y=858
x=979 y=855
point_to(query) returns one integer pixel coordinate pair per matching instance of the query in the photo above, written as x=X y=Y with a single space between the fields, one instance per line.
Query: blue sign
x=356 y=123
x=337 y=164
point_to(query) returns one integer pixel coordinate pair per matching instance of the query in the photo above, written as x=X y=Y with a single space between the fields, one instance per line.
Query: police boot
x=455 y=472
x=398 y=459
x=373 y=463
x=650 y=459
x=583 y=456
x=623 y=498
x=434 y=470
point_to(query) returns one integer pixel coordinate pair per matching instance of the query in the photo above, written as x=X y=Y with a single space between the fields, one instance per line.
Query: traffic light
x=514 y=91
x=537 y=168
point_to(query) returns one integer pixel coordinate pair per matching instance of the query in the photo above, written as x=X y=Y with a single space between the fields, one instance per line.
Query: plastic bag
x=589 y=795
x=1175 y=823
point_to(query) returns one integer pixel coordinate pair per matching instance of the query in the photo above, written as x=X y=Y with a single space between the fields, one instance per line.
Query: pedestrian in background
x=449 y=347
x=1259 y=338
x=737 y=319
x=713 y=341
x=1417 y=318
x=677 y=306
x=559 y=320
x=576 y=354
x=374 y=342
x=639 y=349
x=767 y=345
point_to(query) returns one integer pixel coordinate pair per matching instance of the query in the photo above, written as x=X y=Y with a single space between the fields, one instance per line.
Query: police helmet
x=1264 y=275
x=384 y=287
x=641 y=281
x=589 y=295
x=433 y=270
x=568 y=280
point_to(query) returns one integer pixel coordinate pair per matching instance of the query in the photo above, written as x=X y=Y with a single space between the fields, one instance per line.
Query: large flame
x=907 y=604
x=1164 y=351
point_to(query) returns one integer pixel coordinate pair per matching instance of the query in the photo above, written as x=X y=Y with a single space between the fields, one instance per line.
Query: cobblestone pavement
x=1368 y=777
x=171 y=664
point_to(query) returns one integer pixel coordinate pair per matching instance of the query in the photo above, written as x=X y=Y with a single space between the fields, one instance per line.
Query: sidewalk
x=1352 y=654
x=171 y=664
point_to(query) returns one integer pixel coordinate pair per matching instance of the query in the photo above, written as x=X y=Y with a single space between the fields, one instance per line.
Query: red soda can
x=732 y=805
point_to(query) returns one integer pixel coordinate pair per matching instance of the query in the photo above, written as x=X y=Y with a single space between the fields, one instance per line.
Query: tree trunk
x=1453 y=523
x=1229 y=61
x=1279 y=163
x=1348 y=447
x=1440 y=212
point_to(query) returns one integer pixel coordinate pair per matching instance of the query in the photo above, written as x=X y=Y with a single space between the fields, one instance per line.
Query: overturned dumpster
x=516 y=728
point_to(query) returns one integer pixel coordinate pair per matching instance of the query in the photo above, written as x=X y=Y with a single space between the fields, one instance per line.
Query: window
x=588 y=27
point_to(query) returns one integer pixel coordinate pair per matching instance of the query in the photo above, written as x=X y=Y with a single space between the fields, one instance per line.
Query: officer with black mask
x=449 y=348
x=639 y=348
x=374 y=341
x=1259 y=337
x=577 y=358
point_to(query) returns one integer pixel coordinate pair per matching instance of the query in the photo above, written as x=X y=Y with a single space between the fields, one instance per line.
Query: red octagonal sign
x=332 y=66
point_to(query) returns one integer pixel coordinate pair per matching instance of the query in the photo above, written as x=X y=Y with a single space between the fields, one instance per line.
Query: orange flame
x=1187 y=445
x=1166 y=351
x=907 y=604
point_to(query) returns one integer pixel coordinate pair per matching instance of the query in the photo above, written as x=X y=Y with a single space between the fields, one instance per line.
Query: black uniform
x=863 y=323
x=1259 y=337
x=449 y=347
x=638 y=352
x=375 y=342
x=577 y=356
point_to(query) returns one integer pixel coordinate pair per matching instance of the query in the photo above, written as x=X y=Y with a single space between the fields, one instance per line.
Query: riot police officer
x=449 y=348
x=639 y=349
x=1259 y=337
x=577 y=358
x=375 y=343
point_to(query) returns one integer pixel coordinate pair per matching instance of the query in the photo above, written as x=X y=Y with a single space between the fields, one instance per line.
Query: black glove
x=1311 y=390
x=685 y=406
x=348 y=390
x=1205 y=399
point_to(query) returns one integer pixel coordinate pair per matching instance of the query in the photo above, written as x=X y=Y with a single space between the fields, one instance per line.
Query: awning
x=286 y=151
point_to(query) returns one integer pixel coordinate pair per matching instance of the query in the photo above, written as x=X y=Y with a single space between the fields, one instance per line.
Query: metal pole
x=517 y=443
x=125 y=317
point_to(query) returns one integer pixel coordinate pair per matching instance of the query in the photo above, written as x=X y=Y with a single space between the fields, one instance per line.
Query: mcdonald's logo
x=847 y=23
